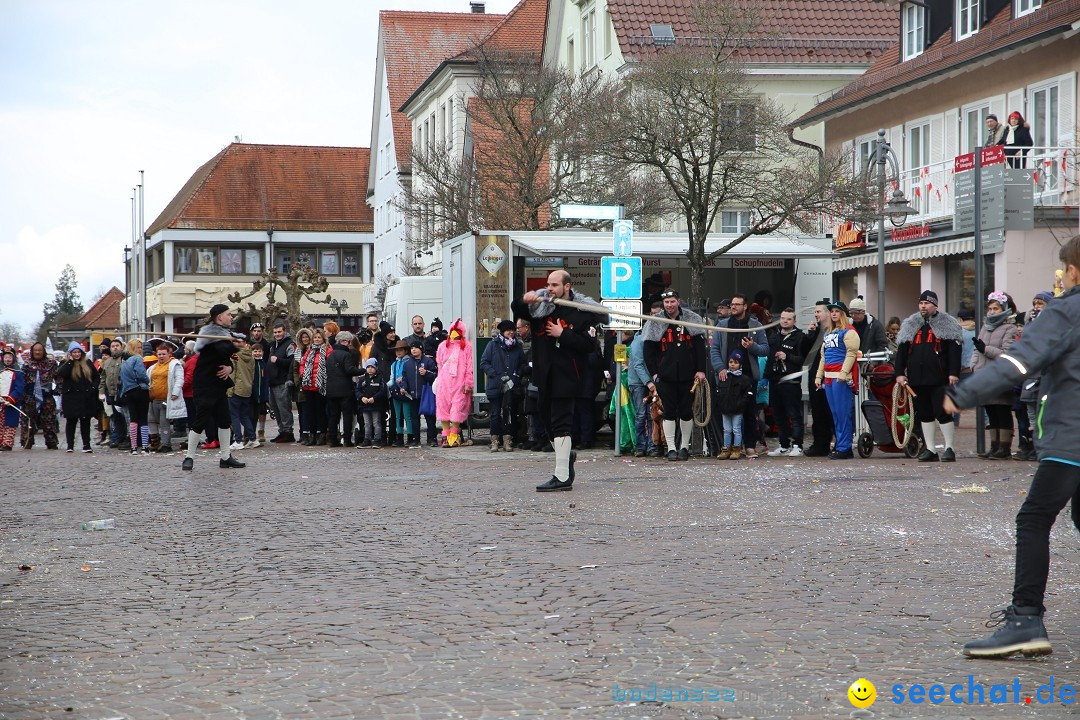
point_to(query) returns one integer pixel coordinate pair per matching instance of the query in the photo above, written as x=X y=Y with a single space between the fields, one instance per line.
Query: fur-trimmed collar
x=943 y=324
x=655 y=330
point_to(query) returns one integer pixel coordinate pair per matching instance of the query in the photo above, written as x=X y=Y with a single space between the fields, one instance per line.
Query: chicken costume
x=453 y=397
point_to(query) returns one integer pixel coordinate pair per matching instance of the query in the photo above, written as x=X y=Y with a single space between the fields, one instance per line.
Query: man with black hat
x=675 y=358
x=257 y=336
x=211 y=381
x=928 y=351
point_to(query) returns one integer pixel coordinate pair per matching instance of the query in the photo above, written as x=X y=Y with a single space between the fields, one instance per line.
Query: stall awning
x=652 y=244
x=924 y=251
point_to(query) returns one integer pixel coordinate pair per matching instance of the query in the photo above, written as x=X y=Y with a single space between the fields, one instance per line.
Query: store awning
x=907 y=253
x=653 y=244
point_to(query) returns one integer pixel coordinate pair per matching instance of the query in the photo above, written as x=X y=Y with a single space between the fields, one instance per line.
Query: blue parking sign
x=620 y=278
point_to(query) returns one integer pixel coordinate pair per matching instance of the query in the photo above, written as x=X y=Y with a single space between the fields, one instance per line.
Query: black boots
x=554 y=485
x=1020 y=630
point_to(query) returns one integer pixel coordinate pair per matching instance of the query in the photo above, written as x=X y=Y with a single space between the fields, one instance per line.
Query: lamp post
x=339 y=307
x=897 y=208
x=127 y=288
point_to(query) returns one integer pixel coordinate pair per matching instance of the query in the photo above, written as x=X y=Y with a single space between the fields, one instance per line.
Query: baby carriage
x=888 y=416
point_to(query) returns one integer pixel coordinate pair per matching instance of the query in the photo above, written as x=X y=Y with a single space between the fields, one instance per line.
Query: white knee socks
x=928 y=434
x=225 y=438
x=948 y=431
x=193 y=439
x=562 y=457
x=669 y=434
x=687 y=429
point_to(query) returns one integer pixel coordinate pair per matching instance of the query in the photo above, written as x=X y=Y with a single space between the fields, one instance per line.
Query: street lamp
x=339 y=307
x=897 y=208
x=127 y=288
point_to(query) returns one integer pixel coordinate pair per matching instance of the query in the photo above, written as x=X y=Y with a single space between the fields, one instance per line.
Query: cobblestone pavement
x=436 y=583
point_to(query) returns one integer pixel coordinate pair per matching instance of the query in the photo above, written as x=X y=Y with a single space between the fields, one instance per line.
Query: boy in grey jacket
x=1050 y=346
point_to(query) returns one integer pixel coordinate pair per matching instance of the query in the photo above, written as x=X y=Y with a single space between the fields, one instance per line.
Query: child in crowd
x=260 y=392
x=371 y=396
x=735 y=394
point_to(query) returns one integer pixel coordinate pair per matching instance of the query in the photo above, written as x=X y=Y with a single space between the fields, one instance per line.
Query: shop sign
x=848 y=237
x=915 y=232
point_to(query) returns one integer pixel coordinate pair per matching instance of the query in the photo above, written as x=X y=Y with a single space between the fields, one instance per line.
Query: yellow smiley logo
x=862 y=693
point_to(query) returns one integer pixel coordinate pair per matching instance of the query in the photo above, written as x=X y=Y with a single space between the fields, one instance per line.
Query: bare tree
x=526 y=152
x=301 y=282
x=690 y=113
x=10 y=332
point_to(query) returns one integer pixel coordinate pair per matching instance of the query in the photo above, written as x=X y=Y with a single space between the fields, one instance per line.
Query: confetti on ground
x=549 y=617
x=966 y=489
x=489 y=547
x=586 y=567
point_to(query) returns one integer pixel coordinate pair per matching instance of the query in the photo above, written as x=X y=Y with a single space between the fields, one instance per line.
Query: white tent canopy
x=654 y=244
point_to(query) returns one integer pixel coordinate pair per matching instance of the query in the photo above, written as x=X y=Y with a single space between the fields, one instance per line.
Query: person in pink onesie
x=453 y=396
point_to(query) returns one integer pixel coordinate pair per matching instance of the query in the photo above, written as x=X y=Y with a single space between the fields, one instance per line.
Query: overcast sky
x=93 y=92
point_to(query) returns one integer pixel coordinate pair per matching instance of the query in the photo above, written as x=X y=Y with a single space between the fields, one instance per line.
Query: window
x=284 y=260
x=918 y=157
x=913 y=18
x=231 y=261
x=205 y=261
x=975 y=122
x=570 y=54
x=588 y=39
x=386 y=155
x=740 y=117
x=253 y=262
x=184 y=261
x=350 y=265
x=1044 y=116
x=734 y=221
x=967 y=18
x=449 y=124
x=866 y=150
x=1023 y=7
x=328 y=262
x=303 y=258
x=607 y=33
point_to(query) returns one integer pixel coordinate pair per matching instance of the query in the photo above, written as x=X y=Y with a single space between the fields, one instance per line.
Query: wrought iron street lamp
x=897 y=207
x=339 y=307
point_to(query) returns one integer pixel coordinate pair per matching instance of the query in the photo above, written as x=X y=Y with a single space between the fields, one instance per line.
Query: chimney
x=476 y=6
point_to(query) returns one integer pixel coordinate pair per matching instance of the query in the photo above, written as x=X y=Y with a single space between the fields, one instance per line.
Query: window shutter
x=1067 y=110
x=1015 y=102
x=951 y=134
x=997 y=107
x=896 y=140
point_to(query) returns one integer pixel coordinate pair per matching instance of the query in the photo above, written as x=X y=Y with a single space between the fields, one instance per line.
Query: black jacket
x=340 y=370
x=371 y=386
x=871 y=335
x=278 y=373
x=80 y=399
x=560 y=365
x=431 y=342
x=928 y=351
x=792 y=346
x=735 y=394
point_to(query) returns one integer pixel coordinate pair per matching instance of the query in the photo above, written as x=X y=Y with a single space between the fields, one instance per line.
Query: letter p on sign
x=620 y=278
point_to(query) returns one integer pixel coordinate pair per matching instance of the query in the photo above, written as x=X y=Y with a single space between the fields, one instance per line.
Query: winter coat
x=1050 y=346
x=560 y=364
x=260 y=388
x=279 y=373
x=735 y=394
x=673 y=353
x=243 y=372
x=998 y=341
x=432 y=341
x=412 y=381
x=791 y=345
x=929 y=350
x=110 y=377
x=80 y=397
x=213 y=355
x=174 y=409
x=501 y=361
x=719 y=352
x=871 y=335
x=313 y=368
x=371 y=386
x=133 y=375
x=637 y=373
x=341 y=368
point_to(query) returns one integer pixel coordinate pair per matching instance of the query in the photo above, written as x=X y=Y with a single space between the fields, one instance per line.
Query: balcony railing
x=931 y=189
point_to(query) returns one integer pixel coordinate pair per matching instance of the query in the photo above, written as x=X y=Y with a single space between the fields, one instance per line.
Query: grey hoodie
x=1050 y=346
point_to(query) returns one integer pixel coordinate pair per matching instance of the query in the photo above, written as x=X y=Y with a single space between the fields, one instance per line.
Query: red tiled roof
x=803 y=31
x=414 y=44
x=102 y=315
x=1002 y=33
x=289 y=187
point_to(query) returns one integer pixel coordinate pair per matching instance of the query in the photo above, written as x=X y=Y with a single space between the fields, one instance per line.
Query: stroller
x=888 y=416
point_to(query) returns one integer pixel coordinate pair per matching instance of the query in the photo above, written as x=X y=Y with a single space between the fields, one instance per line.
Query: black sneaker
x=684 y=455
x=1021 y=631
x=948 y=455
x=555 y=484
x=187 y=465
x=845 y=455
x=929 y=455
x=672 y=456
x=231 y=463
